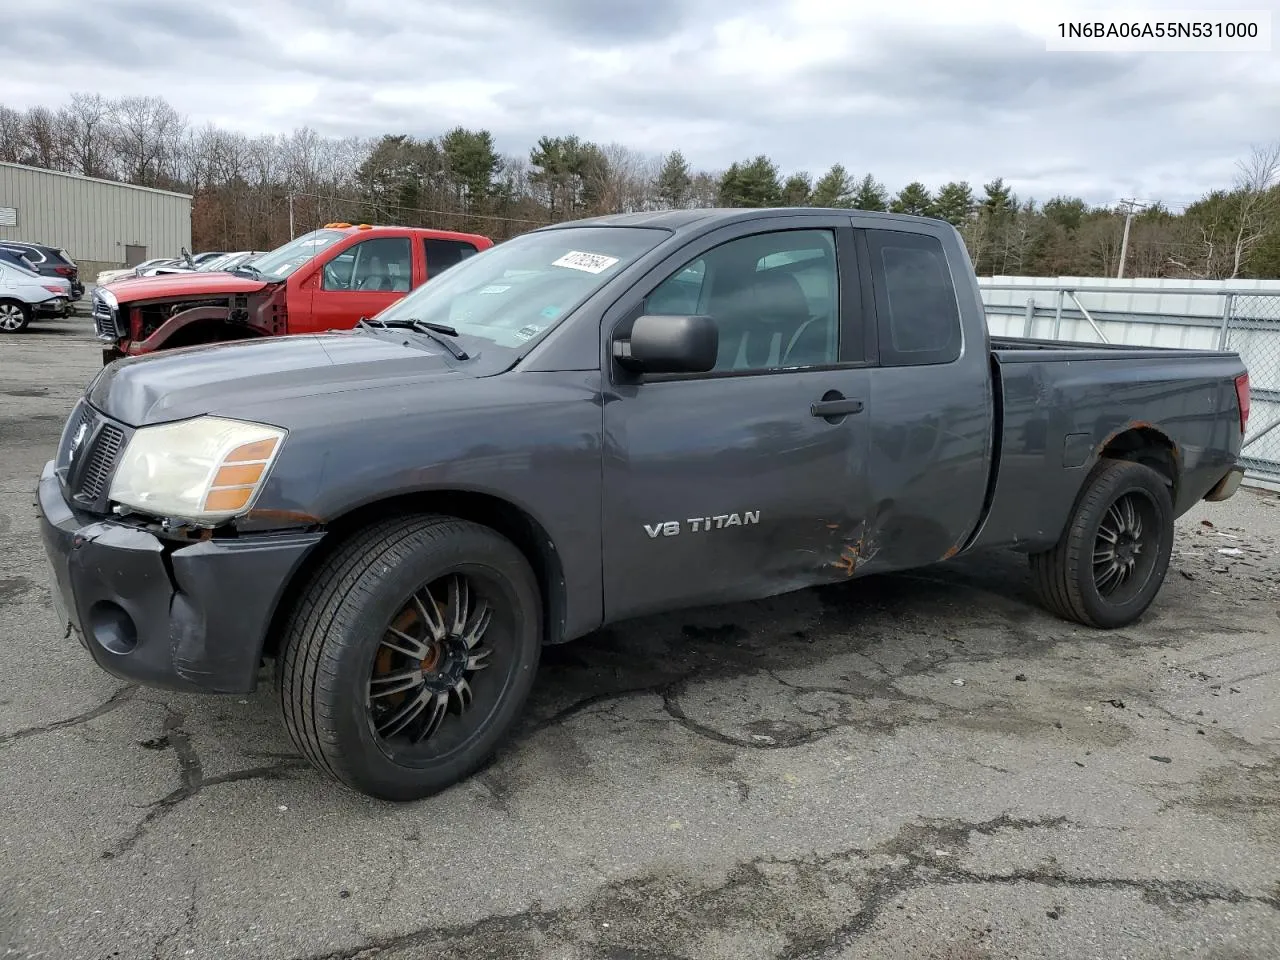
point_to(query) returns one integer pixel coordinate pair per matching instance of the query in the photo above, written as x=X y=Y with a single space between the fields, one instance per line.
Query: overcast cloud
x=906 y=89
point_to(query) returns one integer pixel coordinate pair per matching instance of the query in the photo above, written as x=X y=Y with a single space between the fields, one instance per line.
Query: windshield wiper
x=250 y=269
x=439 y=332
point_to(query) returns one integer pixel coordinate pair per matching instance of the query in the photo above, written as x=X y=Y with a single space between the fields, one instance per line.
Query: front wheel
x=1111 y=560
x=14 y=316
x=410 y=654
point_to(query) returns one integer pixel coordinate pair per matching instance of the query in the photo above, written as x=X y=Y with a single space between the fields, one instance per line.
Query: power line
x=435 y=213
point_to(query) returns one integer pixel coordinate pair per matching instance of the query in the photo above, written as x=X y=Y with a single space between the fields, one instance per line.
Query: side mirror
x=186 y=255
x=669 y=345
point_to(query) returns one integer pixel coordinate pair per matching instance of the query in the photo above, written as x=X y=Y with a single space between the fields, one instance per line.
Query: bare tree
x=43 y=138
x=1258 y=175
x=12 y=129
x=623 y=182
x=148 y=132
x=86 y=123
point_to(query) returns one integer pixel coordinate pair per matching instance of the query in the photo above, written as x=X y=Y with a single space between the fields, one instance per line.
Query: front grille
x=102 y=461
x=82 y=416
x=105 y=323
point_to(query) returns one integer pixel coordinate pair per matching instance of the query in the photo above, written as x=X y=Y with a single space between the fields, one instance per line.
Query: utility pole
x=1124 y=244
x=291 y=217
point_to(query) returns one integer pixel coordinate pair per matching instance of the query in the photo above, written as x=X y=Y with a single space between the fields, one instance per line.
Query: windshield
x=516 y=290
x=282 y=261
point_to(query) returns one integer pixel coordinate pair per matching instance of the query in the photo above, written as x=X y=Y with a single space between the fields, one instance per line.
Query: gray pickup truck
x=591 y=422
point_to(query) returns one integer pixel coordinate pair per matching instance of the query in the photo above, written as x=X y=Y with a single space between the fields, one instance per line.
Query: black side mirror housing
x=660 y=344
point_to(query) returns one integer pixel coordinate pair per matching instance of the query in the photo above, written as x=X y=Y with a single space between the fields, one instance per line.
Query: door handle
x=830 y=407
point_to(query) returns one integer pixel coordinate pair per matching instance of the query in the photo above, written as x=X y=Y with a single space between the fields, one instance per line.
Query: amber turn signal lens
x=230 y=498
x=236 y=475
x=250 y=452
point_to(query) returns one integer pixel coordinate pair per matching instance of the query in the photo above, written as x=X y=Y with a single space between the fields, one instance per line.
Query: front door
x=749 y=480
x=360 y=281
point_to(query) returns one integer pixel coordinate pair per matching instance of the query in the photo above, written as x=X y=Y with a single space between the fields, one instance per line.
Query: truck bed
x=1058 y=404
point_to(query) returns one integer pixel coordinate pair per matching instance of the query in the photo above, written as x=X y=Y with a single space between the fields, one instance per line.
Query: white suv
x=24 y=292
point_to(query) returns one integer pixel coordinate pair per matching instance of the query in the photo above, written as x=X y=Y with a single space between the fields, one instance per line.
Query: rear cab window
x=443 y=253
x=918 y=318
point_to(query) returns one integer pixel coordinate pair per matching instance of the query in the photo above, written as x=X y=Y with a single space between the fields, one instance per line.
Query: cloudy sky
x=907 y=89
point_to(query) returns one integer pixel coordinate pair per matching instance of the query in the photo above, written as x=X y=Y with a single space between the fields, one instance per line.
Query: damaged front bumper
x=183 y=617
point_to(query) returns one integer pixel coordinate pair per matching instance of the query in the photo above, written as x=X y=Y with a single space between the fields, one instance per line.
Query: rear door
x=358 y=281
x=933 y=410
x=739 y=483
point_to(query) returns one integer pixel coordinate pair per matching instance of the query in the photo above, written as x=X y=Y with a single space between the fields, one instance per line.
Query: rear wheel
x=410 y=654
x=1112 y=558
x=14 y=316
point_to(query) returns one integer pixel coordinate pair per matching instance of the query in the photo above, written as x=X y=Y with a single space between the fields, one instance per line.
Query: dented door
x=749 y=480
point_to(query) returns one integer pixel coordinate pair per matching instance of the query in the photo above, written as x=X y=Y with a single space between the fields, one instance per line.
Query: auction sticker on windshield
x=589 y=262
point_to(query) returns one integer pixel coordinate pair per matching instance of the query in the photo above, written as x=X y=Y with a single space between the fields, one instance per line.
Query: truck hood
x=247 y=379
x=174 y=285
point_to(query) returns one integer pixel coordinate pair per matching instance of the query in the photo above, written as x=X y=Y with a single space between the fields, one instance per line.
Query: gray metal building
x=101 y=223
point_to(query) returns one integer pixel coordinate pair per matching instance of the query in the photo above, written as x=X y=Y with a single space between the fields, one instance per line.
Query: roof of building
x=77 y=176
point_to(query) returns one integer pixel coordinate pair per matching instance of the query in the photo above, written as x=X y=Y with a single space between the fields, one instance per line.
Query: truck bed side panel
x=1061 y=407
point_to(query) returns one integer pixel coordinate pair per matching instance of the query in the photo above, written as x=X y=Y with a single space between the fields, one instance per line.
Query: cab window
x=773 y=297
x=379 y=264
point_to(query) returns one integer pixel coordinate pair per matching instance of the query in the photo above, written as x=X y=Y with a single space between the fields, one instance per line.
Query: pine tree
x=913 y=199
x=674 y=182
x=833 y=189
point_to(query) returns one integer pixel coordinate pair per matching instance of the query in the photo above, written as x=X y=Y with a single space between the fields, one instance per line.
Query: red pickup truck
x=324 y=280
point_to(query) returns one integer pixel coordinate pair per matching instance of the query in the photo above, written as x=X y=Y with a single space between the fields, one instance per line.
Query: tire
x=1076 y=579
x=14 y=316
x=341 y=691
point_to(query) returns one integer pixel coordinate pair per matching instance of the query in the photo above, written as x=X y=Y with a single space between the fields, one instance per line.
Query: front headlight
x=205 y=470
x=107 y=297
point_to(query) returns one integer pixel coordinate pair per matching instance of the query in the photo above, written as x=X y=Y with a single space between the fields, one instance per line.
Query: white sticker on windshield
x=588 y=262
x=528 y=332
x=495 y=288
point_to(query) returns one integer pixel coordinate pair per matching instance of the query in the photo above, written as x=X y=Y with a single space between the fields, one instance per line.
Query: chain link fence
x=1253 y=331
x=1241 y=316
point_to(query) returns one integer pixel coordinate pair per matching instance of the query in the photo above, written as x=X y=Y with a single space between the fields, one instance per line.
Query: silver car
x=25 y=294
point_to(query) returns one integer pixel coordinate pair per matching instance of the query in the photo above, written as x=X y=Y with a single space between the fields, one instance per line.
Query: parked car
x=49 y=262
x=595 y=421
x=205 y=264
x=228 y=262
x=111 y=276
x=25 y=294
x=58 y=306
x=327 y=279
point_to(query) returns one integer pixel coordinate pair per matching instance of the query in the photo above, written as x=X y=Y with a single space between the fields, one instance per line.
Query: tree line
x=253 y=192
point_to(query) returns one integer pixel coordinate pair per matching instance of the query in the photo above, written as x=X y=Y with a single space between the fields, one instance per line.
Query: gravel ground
x=921 y=766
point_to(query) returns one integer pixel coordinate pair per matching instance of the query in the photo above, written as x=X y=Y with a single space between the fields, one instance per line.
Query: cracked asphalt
x=923 y=766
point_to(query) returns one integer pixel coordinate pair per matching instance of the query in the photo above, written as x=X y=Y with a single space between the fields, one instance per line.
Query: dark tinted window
x=32 y=254
x=915 y=299
x=15 y=259
x=773 y=296
x=443 y=254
